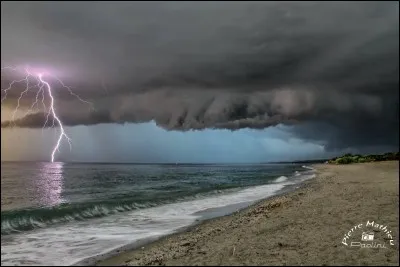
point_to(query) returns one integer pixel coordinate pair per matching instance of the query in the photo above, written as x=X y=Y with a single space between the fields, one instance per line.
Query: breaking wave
x=15 y=221
x=307 y=167
x=281 y=179
x=23 y=220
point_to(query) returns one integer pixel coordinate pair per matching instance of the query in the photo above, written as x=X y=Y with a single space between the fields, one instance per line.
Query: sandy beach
x=303 y=227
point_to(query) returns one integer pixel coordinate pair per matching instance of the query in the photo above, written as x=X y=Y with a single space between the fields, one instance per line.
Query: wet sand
x=303 y=227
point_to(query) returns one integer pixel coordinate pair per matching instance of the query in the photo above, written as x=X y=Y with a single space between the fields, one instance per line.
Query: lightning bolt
x=44 y=88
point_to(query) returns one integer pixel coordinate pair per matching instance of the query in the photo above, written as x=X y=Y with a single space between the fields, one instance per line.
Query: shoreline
x=102 y=259
x=205 y=216
x=245 y=237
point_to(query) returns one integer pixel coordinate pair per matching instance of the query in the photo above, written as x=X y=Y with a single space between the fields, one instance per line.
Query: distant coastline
x=350 y=158
x=347 y=158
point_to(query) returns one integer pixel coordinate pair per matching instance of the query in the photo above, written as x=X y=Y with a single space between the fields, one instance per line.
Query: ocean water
x=63 y=213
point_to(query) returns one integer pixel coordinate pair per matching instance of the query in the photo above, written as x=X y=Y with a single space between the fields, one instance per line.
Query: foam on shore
x=81 y=241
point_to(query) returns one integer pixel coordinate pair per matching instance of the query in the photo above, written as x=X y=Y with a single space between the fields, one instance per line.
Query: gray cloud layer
x=329 y=68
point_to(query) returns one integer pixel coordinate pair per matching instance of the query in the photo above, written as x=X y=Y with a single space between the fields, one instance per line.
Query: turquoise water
x=81 y=210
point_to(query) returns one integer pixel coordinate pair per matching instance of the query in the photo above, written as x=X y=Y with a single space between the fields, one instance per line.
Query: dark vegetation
x=349 y=158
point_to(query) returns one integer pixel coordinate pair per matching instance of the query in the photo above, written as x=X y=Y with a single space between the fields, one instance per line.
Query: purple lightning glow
x=42 y=86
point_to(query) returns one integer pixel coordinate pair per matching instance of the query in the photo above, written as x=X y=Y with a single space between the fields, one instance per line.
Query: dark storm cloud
x=328 y=68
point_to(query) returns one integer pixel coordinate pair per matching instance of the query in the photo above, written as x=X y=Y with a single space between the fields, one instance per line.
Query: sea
x=71 y=213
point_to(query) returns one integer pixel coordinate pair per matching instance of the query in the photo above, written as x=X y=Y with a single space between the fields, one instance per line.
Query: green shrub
x=344 y=160
x=349 y=158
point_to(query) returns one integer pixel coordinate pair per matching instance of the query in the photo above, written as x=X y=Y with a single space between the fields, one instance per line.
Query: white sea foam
x=281 y=179
x=69 y=243
x=75 y=241
x=307 y=167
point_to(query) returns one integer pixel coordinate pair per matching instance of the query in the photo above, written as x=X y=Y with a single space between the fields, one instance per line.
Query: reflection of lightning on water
x=44 y=88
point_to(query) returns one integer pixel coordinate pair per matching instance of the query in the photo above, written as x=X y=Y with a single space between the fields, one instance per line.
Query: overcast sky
x=204 y=81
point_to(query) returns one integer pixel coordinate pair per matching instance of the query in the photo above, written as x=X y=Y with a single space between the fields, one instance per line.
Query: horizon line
x=163 y=163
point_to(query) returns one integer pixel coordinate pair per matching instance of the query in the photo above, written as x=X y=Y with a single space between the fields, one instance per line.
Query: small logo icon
x=367 y=236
